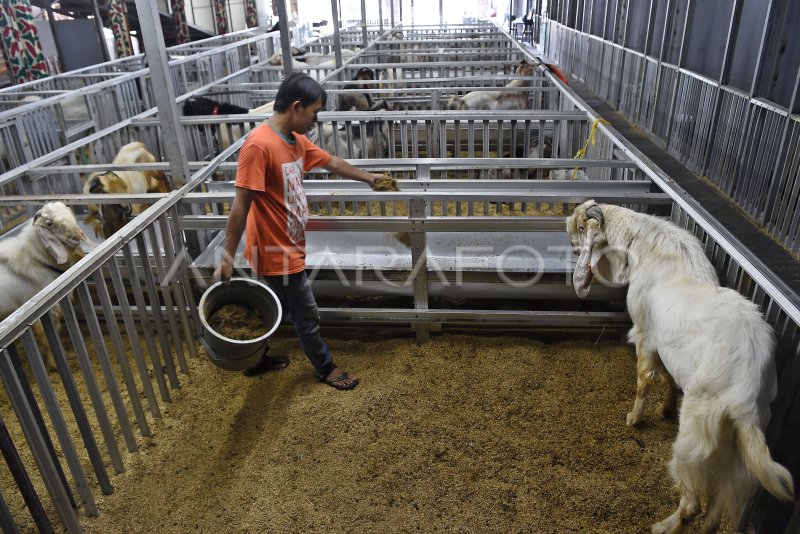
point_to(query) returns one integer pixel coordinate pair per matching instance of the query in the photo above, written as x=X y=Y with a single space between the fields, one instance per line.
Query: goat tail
x=455 y=102
x=775 y=478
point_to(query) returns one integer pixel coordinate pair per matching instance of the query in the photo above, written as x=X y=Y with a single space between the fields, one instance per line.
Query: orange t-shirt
x=275 y=239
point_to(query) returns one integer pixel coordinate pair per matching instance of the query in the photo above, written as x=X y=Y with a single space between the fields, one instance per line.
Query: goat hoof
x=632 y=420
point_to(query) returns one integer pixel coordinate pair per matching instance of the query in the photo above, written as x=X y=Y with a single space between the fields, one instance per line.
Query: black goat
x=200 y=105
x=357 y=101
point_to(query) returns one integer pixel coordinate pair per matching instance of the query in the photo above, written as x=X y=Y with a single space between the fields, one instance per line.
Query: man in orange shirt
x=271 y=204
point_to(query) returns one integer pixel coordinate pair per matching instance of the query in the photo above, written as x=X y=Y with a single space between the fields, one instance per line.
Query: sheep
x=498 y=99
x=707 y=340
x=29 y=261
x=358 y=101
x=108 y=218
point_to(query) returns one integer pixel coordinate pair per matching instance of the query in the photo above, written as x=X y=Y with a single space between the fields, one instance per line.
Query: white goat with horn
x=44 y=249
x=707 y=340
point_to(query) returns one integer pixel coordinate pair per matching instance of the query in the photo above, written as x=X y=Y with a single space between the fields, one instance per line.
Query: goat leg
x=687 y=510
x=645 y=373
x=44 y=347
x=668 y=408
x=713 y=516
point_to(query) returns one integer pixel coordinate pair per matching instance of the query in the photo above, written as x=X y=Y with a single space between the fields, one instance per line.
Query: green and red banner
x=119 y=26
x=179 y=16
x=251 y=13
x=221 y=17
x=21 y=47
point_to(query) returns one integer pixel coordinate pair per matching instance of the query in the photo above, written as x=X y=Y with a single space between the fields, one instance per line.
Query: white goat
x=44 y=249
x=707 y=340
x=312 y=59
x=108 y=218
x=501 y=99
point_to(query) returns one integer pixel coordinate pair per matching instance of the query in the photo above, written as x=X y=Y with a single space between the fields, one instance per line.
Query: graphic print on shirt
x=295 y=200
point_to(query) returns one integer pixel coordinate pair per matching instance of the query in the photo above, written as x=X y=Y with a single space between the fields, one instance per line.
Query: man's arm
x=233 y=232
x=341 y=168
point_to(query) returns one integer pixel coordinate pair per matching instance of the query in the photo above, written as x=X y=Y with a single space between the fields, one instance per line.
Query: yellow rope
x=580 y=154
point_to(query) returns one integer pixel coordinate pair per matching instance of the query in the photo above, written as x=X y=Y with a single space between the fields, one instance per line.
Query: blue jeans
x=297 y=301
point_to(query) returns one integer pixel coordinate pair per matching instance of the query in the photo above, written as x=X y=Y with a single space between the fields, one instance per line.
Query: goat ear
x=54 y=247
x=582 y=275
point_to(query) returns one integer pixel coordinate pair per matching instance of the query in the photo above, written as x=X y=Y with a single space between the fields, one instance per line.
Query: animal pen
x=479 y=234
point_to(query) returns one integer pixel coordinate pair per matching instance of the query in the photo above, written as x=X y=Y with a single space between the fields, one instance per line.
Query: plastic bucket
x=237 y=354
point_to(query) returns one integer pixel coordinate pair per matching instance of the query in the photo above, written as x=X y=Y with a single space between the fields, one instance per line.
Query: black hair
x=298 y=86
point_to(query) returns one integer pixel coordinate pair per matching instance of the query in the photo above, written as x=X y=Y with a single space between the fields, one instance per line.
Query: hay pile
x=239 y=322
x=461 y=434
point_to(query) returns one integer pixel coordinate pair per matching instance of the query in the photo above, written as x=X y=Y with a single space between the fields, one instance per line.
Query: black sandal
x=336 y=382
x=267 y=364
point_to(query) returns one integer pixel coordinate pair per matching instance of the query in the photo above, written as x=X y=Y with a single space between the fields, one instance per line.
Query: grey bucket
x=236 y=354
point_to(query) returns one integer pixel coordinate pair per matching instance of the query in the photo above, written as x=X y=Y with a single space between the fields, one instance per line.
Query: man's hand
x=374 y=178
x=224 y=271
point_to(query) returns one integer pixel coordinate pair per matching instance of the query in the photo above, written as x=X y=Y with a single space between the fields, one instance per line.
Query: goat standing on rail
x=501 y=99
x=45 y=248
x=108 y=218
x=707 y=340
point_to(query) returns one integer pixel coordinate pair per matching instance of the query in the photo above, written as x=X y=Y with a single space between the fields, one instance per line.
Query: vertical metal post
x=364 y=38
x=153 y=38
x=36 y=442
x=419 y=257
x=658 y=63
x=51 y=21
x=684 y=40
x=725 y=71
x=510 y=16
x=648 y=39
x=286 y=45
x=98 y=23
x=764 y=37
x=441 y=12
x=337 y=37
x=401 y=11
x=391 y=12
x=380 y=15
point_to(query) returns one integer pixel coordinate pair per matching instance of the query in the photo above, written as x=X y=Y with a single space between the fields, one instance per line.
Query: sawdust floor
x=462 y=434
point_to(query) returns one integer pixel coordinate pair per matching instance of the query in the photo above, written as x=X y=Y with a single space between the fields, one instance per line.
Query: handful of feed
x=238 y=322
x=387 y=183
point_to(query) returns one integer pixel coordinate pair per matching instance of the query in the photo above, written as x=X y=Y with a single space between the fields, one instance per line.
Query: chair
x=516 y=26
x=527 y=32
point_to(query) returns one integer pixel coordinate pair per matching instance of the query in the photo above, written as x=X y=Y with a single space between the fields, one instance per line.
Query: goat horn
x=594 y=212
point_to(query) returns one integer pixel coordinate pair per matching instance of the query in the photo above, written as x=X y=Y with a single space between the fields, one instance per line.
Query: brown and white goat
x=707 y=340
x=108 y=218
x=45 y=248
x=499 y=99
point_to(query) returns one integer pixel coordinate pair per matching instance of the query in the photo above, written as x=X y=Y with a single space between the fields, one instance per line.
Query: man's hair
x=298 y=86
